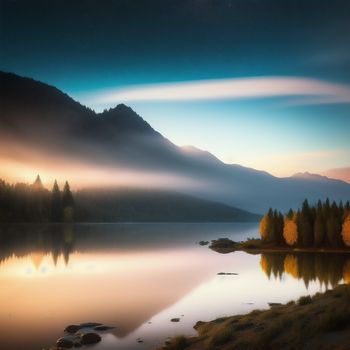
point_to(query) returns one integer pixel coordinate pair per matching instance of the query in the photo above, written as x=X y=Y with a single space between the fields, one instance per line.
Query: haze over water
x=139 y=276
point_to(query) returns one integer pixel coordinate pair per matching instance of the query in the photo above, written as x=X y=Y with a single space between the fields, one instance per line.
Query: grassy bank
x=314 y=323
x=256 y=246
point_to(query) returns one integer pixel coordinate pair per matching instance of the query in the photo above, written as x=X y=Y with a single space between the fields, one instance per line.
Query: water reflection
x=37 y=241
x=327 y=269
x=124 y=275
x=138 y=277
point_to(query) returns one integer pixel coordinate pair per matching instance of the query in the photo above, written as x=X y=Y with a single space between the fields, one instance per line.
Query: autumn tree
x=290 y=229
x=346 y=231
x=266 y=224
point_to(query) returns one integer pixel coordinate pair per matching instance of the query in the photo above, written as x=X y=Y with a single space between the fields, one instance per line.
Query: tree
x=334 y=226
x=67 y=203
x=346 y=231
x=290 y=230
x=67 y=197
x=266 y=227
x=290 y=214
x=56 y=204
x=278 y=228
x=319 y=228
x=38 y=185
x=305 y=226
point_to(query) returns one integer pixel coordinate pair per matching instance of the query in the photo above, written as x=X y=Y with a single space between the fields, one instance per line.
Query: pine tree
x=290 y=214
x=305 y=226
x=319 y=227
x=279 y=229
x=67 y=197
x=68 y=203
x=334 y=227
x=38 y=185
x=56 y=204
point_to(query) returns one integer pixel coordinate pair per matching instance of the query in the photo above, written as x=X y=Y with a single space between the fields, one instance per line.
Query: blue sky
x=91 y=48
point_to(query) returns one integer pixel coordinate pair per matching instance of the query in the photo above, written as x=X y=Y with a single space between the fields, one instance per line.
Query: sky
x=261 y=83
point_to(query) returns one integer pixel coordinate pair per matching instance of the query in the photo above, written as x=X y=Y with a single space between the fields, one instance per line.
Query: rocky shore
x=321 y=322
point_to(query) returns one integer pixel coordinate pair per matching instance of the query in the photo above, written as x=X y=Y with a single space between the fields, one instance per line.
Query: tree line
x=321 y=225
x=34 y=203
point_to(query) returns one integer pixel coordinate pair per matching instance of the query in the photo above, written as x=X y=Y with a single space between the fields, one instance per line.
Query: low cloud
x=315 y=91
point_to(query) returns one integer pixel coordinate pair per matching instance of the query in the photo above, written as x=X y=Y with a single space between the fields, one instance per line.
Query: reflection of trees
x=346 y=272
x=328 y=269
x=37 y=240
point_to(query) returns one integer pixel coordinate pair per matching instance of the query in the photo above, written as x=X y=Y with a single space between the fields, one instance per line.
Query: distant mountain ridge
x=40 y=117
x=135 y=205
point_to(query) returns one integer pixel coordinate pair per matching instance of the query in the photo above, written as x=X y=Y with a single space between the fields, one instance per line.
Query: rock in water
x=90 y=338
x=68 y=341
x=102 y=328
x=72 y=328
x=65 y=343
x=89 y=324
x=175 y=319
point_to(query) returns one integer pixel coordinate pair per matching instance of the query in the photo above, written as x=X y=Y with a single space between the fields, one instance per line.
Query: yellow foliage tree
x=290 y=231
x=346 y=231
x=264 y=227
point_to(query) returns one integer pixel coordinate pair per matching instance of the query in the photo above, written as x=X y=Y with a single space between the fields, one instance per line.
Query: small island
x=321 y=228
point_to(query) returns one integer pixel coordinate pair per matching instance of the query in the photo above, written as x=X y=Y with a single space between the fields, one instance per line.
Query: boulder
x=89 y=324
x=89 y=338
x=68 y=341
x=65 y=343
x=73 y=328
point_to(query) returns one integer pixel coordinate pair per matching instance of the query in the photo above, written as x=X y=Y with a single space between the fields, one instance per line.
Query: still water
x=137 y=277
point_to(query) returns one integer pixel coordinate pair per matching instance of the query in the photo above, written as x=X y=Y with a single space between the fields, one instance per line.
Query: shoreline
x=314 y=323
x=255 y=246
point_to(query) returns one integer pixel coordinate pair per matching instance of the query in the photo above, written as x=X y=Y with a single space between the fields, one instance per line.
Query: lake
x=137 y=277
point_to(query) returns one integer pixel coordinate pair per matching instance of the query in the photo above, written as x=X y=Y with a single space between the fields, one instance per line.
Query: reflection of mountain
x=35 y=117
x=328 y=269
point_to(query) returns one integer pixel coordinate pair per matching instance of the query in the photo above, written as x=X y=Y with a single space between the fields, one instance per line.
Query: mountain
x=130 y=205
x=39 y=123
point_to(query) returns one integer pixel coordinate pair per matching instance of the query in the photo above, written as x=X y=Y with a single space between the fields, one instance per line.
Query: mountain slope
x=130 y=205
x=39 y=119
